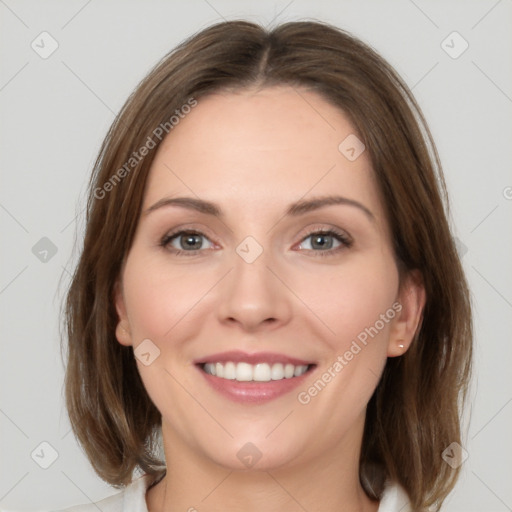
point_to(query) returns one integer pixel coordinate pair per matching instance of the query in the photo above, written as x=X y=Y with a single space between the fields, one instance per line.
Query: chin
x=256 y=453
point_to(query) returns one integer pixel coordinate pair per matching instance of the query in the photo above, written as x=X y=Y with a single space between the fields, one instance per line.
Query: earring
x=401 y=345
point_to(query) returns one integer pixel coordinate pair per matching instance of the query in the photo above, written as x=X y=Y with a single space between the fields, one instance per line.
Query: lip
x=253 y=392
x=237 y=356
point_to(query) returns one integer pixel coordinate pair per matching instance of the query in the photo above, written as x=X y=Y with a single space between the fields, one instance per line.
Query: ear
x=123 y=332
x=410 y=303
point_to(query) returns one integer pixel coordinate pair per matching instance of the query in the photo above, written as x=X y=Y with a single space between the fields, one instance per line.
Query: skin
x=253 y=153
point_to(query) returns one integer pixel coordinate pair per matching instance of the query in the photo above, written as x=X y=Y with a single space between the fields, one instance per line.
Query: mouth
x=254 y=378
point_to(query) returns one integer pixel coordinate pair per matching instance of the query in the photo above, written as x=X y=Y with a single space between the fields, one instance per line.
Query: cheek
x=346 y=298
x=159 y=297
x=351 y=298
x=356 y=302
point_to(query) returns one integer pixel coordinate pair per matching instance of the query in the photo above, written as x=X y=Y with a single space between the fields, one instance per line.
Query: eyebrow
x=300 y=207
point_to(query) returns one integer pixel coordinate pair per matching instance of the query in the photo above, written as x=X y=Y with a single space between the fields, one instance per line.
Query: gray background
x=55 y=112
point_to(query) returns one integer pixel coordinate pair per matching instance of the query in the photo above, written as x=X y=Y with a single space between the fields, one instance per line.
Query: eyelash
x=346 y=241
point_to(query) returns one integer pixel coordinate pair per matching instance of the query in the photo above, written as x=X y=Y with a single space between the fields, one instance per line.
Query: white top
x=133 y=499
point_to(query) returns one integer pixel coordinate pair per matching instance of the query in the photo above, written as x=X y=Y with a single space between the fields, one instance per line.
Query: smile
x=253 y=378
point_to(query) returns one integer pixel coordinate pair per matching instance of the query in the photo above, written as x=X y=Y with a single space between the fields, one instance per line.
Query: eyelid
x=326 y=228
x=192 y=228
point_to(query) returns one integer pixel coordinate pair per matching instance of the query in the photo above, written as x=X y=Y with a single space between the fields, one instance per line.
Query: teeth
x=244 y=372
x=289 y=371
x=229 y=371
x=261 y=372
x=277 y=372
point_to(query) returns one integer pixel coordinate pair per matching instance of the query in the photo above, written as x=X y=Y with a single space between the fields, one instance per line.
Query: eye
x=185 y=242
x=319 y=242
x=325 y=242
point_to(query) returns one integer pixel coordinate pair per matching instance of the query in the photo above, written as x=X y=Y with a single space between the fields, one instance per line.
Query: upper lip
x=237 y=356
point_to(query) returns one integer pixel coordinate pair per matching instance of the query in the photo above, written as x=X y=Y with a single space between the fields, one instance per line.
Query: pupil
x=193 y=240
x=319 y=242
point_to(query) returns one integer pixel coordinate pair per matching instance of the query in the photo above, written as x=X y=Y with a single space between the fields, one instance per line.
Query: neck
x=193 y=483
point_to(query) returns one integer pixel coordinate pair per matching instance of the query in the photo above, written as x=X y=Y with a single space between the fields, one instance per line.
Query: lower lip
x=253 y=392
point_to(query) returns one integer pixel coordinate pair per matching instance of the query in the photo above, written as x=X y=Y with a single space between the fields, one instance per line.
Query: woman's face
x=254 y=291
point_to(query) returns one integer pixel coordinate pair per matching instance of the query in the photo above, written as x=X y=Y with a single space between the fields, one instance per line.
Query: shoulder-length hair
x=415 y=411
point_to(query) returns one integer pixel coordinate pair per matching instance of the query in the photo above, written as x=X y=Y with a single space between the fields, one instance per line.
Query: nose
x=254 y=297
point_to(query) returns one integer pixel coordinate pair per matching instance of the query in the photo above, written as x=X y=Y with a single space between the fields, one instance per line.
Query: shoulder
x=131 y=499
x=394 y=499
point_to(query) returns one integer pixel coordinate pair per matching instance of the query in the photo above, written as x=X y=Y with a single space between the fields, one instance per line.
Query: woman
x=268 y=285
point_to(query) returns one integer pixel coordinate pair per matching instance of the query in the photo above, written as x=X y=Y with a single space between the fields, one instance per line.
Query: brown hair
x=415 y=411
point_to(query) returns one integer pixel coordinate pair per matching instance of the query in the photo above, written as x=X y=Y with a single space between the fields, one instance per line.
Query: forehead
x=261 y=148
